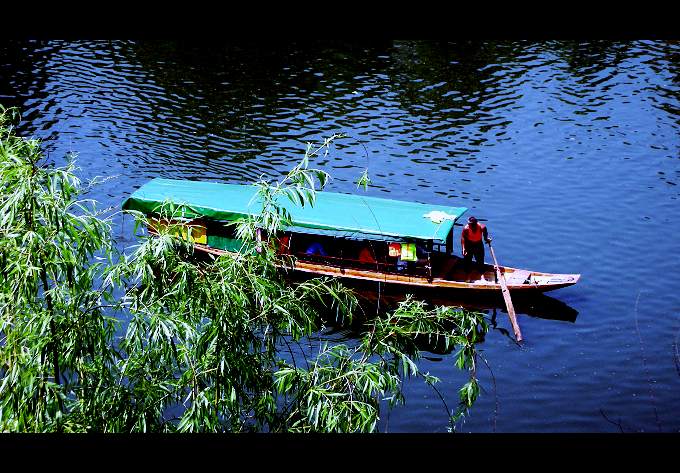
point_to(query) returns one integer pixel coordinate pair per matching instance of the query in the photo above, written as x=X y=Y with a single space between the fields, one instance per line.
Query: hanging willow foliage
x=192 y=344
x=56 y=354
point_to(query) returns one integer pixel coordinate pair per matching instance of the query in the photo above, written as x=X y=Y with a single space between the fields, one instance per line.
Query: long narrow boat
x=353 y=237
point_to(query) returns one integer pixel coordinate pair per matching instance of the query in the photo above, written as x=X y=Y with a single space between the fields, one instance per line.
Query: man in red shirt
x=472 y=245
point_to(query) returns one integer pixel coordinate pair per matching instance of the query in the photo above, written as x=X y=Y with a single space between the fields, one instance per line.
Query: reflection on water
x=376 y=302
x=538 y=305
x=569 y=150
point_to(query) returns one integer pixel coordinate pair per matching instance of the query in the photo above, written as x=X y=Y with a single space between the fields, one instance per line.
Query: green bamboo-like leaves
x=343 y=389
x=160 y=340
x=55 y=348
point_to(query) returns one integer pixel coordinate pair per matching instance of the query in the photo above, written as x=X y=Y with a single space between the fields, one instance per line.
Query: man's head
x=472 y=221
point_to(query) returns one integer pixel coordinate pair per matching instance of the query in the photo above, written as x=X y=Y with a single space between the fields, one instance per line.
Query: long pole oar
x=506 y=296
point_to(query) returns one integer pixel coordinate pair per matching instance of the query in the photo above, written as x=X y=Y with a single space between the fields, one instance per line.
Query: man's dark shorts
x=476 y=250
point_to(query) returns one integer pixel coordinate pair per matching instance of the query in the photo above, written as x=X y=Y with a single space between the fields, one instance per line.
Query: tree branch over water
x=158 y=340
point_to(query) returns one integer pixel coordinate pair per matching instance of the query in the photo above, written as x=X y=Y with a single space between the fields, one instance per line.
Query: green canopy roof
x=343 y=213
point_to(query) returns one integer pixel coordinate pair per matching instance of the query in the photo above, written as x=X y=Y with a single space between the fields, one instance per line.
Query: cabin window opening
x=318 y=248
x=222 y=228
x=376 y=255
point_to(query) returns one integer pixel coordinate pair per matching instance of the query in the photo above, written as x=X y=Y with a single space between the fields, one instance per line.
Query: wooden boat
x=353 y=237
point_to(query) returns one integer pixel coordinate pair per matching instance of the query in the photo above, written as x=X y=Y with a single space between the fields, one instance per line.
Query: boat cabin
x=343 y=230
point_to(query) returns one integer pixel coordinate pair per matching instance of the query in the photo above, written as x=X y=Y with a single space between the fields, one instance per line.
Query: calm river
x=570 y=150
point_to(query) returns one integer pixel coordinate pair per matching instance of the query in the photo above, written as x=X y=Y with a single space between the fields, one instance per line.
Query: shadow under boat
x=375 y=302
x=536 y=305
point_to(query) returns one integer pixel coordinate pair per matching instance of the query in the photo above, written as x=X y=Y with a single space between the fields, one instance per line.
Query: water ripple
x=568 y=148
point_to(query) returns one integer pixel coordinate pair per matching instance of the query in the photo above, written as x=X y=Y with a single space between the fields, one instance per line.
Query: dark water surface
x=570 y=150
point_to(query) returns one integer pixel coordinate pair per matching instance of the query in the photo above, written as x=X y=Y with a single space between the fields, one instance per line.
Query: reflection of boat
x=360 y=238
x=534 y=305
x=374 y=302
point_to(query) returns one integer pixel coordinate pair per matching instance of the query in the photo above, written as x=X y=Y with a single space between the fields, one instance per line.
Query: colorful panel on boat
x=346 y=213
x=227 y=244
x=408 y=252
x=198 y=232
x=394 y=250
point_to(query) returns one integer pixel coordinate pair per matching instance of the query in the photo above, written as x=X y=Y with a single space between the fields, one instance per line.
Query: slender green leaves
x=161 y=339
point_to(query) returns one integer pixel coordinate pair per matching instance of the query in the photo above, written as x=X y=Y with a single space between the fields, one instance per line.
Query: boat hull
x=537 y=282
x=453 y=278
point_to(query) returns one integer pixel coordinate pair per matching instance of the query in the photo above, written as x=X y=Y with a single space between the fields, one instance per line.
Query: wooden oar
x=506 y=296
